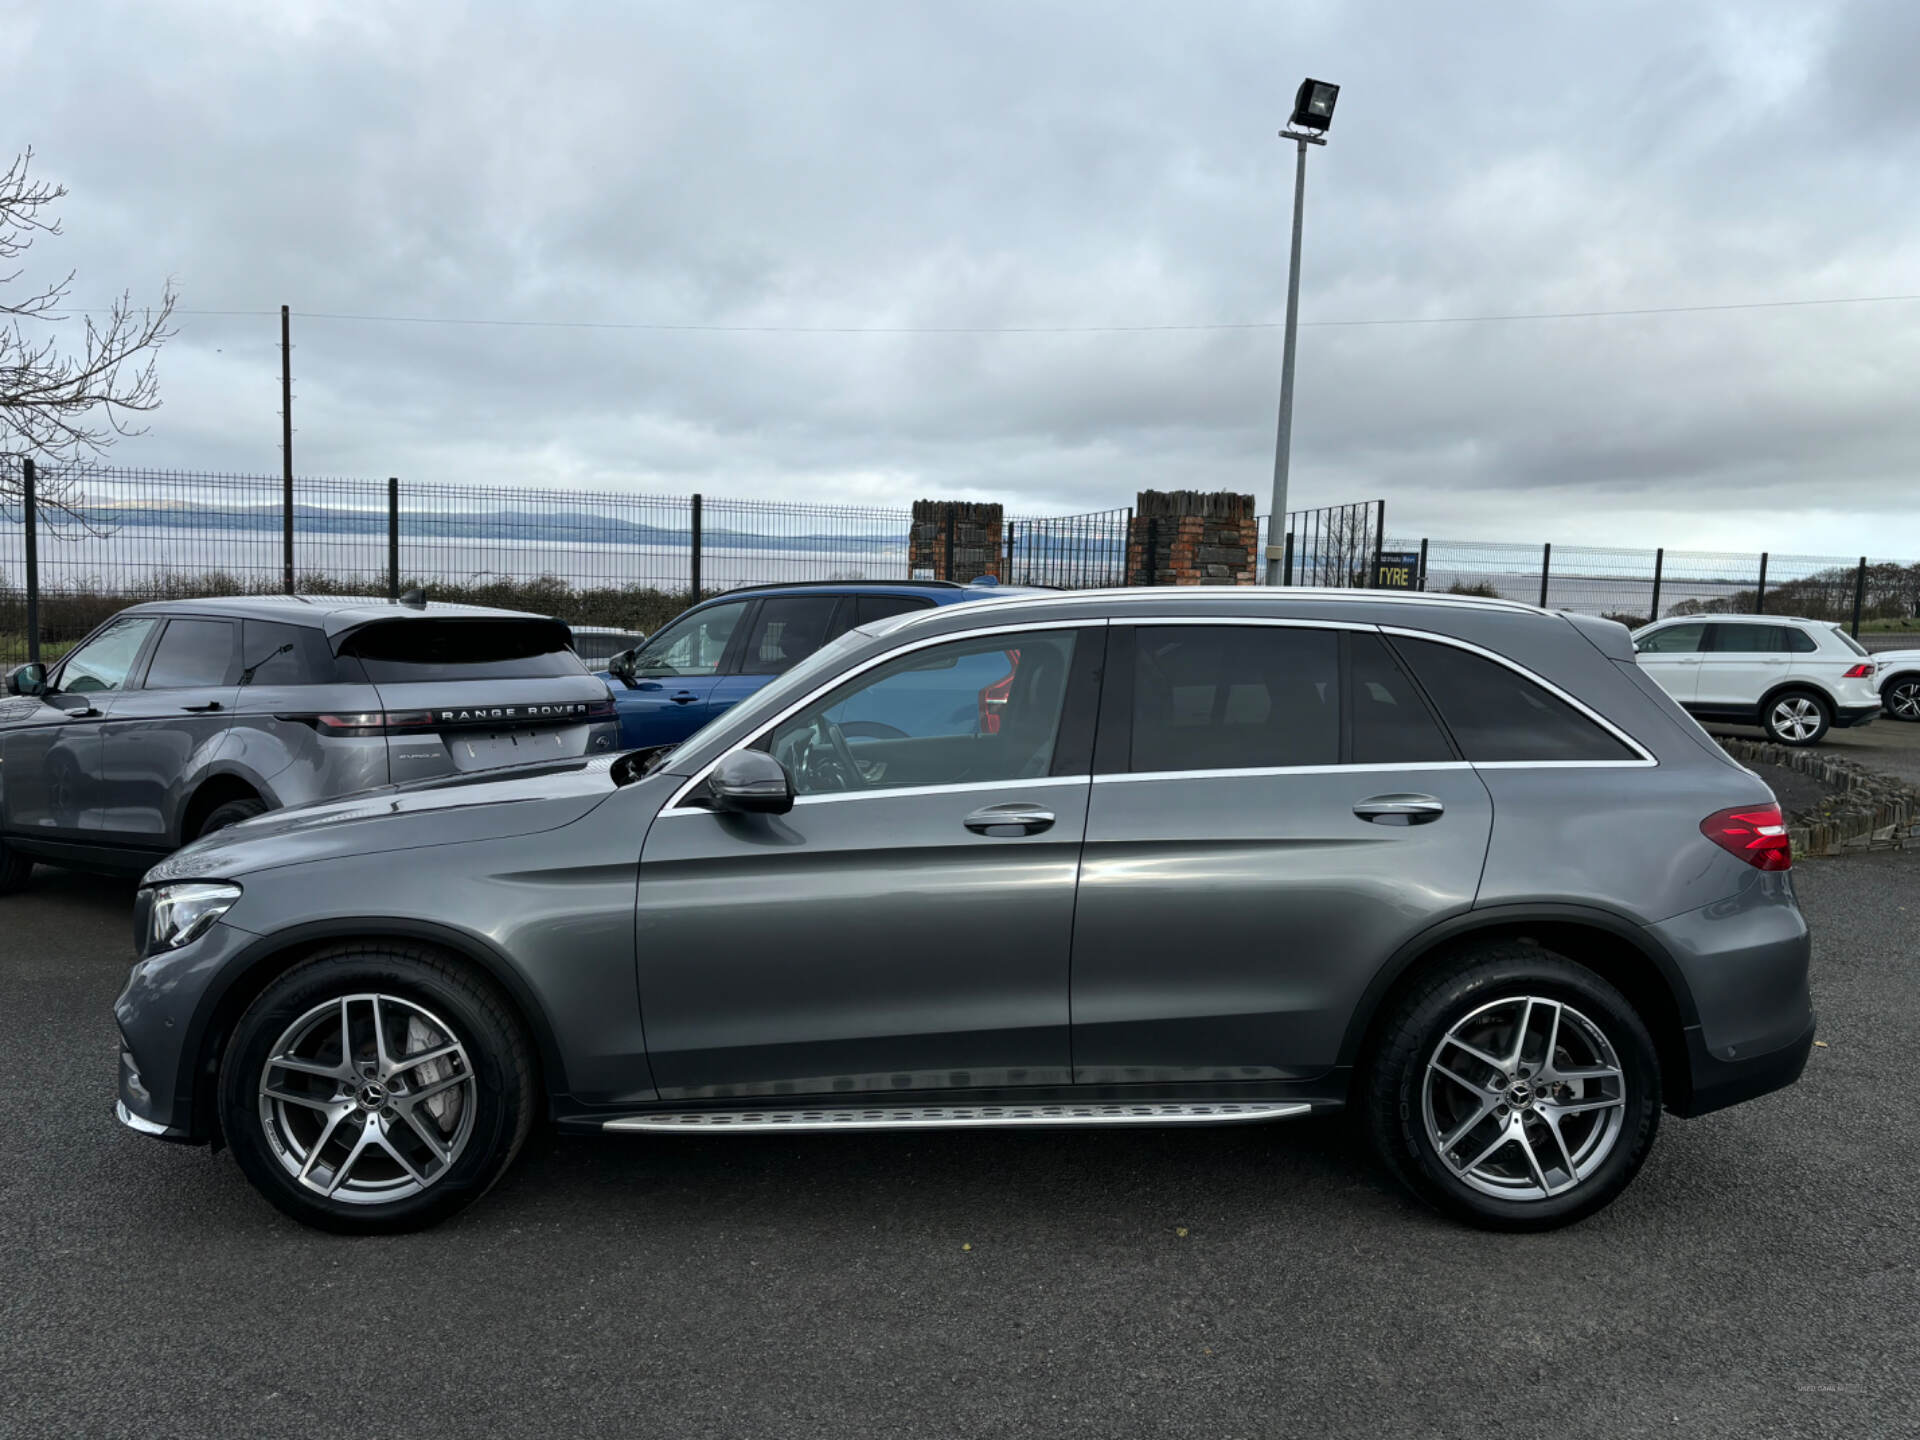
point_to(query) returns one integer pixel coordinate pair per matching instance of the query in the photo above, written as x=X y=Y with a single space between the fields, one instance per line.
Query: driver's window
x=975 y=711
x=103 y=662
x=693 y=646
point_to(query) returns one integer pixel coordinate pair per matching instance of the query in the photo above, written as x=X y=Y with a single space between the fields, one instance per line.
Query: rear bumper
x=1718 y=1083
x=1849 y=716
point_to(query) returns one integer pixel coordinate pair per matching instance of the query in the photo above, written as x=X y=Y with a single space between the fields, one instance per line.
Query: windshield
x=770 y=698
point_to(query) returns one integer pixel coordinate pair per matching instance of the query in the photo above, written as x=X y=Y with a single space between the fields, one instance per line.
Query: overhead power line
x=1199 y=326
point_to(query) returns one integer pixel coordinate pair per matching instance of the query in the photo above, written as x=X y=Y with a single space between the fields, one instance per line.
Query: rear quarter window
x=1496 y=714
x=400 y=651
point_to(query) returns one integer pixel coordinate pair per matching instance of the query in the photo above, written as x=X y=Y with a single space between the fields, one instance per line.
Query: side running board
x=957 y=1117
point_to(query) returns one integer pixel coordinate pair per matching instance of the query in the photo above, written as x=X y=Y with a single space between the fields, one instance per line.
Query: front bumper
x=1849 y=716
x=162 y=1014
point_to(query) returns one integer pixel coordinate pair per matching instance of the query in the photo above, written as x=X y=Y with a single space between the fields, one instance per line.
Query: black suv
x=177 y=718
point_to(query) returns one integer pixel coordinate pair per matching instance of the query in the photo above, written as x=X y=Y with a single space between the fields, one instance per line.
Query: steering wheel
x=819 y=757
x=841 y=758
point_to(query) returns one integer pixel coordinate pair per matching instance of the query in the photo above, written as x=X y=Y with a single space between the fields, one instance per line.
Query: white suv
x=1794 y=678
x=1899 y=682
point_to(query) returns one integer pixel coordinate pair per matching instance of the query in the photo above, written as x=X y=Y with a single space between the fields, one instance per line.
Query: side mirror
x=28 y=679
x=751 y=782
x=621 y=667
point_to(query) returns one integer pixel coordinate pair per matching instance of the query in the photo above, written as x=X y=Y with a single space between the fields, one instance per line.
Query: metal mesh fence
x=1333 y=546
x=1069 y=552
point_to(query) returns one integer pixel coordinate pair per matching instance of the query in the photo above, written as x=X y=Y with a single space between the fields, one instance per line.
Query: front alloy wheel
x=1902 y=698
x=377 y=1087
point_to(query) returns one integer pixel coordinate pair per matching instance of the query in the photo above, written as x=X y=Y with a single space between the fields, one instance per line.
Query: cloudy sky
x=831 y=185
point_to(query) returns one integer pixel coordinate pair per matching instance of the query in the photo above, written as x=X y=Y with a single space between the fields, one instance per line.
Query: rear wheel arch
x=1799 y=687
x=264 y=963
x=213 y=792
x=1611 y=947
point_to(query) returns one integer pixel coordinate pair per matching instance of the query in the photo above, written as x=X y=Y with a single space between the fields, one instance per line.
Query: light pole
x=1312 y=114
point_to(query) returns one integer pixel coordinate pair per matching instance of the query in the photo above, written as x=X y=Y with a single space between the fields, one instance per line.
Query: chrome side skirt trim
x=957 y=1117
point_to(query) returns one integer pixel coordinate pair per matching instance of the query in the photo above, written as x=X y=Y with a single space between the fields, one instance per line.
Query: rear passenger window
x=1234 y=697
x=274 y=654
x=1391 y=723
x=1496 y=714
x=190 y=653
x=1749 y=639
x=786 y=631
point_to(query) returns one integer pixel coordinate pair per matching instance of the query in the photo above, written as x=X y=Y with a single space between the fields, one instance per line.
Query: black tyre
x=231 y=813
x=1796 y=717
x=1513 y=1089
x=377 y=1088
x=1900 y=696
x=15 y=870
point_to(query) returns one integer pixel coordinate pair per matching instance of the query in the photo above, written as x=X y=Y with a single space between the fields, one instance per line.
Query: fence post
x=1126 y=570
x=1421 y=581
x=286 y=451
x=30 y=516
x=1379 y=540
x=1006 y=574
x=694 y=563
x=1859 y=594
x=1546 y=568
x=946 y=541
x=393 y=537
x=1152 y=566
x=1659 y=563
x=1286 y=564
x=1760 y=594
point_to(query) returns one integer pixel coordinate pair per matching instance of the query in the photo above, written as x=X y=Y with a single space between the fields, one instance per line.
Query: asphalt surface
x=1762 y=1276
x=1891 y=747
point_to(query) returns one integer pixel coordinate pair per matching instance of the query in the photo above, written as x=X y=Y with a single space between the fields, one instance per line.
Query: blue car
x=720 y=651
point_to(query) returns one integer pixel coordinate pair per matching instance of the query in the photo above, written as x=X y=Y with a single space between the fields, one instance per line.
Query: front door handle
x=683 y=697
x=1400 y=809
x=202 y=709
x=1010 y=819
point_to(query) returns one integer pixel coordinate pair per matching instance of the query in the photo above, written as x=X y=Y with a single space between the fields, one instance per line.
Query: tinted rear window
x=1391 y=723
x=190 y=653
x=397 y=651
x=1497 y=714
x=1234 y=697
x=276 y=654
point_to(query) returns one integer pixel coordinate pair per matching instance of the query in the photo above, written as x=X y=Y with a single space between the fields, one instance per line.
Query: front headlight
x=186 y=911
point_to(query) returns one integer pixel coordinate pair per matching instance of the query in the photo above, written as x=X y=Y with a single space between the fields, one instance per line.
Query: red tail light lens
x=994 y=697
x=601 y=710
x=1862 y=671
x=1757 y=834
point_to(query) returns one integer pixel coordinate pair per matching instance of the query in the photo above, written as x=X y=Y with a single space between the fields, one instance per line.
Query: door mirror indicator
x=28 y=679
x=751 y=782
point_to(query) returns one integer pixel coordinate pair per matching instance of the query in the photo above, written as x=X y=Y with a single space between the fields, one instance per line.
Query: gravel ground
x=1761 y=1278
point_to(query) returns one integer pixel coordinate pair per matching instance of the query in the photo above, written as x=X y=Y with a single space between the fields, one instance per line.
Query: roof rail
x=840 y=585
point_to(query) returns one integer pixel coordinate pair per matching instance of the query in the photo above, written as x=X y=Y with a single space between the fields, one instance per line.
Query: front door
x=907 y=925
x=50 y=761
x=158 y=731
x=1275 y=811
x=1672 y=657
x=666 y=699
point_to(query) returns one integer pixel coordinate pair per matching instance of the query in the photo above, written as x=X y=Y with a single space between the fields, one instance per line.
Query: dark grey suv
x=176 y=719
x=1129 y=858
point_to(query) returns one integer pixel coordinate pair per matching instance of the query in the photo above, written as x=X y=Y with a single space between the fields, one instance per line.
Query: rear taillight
x=994 y=697
x=1862 y=671
x=601 y=710
x=373 y=722
x=1757 y=834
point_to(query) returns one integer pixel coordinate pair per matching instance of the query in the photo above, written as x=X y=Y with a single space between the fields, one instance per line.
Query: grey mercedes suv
x=178 y=718
x=1150 y=857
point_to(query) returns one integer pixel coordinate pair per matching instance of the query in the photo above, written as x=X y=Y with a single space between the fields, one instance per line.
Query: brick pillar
x=1181 y=537
x=969 y=531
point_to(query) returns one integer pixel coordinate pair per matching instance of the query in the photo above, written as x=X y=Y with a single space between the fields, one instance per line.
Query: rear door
x=1743 y=659
x=1671 y=655
x=160 y=732
x=466 y=693
x=290 y=681
x=1275 y=810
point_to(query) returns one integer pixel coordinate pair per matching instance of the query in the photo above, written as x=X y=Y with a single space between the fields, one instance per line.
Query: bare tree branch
x=63 y=407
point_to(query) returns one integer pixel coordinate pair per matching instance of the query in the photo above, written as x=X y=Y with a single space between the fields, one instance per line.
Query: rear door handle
x=1400 y=809
x=1010 y=819
x=202 y=709
x=683 y=697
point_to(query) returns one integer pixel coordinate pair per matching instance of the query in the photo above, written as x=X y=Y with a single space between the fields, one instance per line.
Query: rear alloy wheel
x=231 y=813
x=1515 y=1090
x=1901 y=697
x=1797 y=718
x=376 y=1089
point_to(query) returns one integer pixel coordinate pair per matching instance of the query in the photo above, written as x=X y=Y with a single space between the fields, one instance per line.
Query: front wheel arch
x=260 y=965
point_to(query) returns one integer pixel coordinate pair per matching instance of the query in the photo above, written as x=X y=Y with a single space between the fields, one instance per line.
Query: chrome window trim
x=882 y=792
x=1255 y=772
x=1646 y=757
x=840 y=679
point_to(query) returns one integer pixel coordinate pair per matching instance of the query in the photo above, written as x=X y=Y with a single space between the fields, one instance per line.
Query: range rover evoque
x=1208 y=857
x=178 y=718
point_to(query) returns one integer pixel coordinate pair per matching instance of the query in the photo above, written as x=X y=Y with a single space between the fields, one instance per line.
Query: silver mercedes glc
x=1151 y=857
